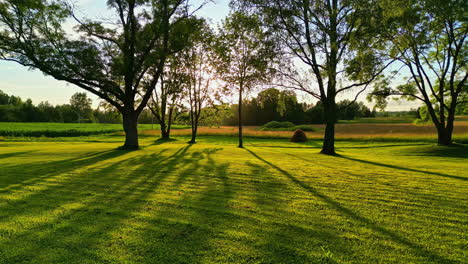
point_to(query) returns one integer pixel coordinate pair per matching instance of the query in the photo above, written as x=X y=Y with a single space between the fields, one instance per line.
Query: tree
x=428 y=38
x=199 y=64
x=82 y=106
x=120 y=62
x=167 y=96
x=246 y=54
x=333 y=40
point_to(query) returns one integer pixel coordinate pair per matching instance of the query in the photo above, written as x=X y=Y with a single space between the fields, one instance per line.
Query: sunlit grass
x=211 y=202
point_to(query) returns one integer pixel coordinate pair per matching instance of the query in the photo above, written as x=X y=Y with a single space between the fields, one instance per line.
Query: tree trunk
x=194 y=134
x=241 y=143
x=164 y=132
x=130 y=125
x=194 y=118
x=329 y=137
x=444 y=138
x=444 y=134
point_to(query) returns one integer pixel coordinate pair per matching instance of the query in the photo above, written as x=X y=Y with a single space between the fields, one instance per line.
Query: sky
x=20 y=81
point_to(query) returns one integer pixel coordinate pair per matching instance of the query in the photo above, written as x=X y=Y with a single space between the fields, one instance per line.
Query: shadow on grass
x=30 y=173
x=14 y=154
x=101 y=202
x=454 y=151
x=421 y=251
x=402 y=168
x=409 y=144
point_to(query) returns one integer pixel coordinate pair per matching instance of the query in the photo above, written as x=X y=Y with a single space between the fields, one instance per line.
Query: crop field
x=80 y=200
x=63 y=129
x=347 y=131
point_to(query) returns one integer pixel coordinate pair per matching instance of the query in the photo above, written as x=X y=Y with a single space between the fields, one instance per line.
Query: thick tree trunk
x=444 y=134
x=241 y=143
x=164 y=134
x=444 y=137
x=329 y=137
x=130 y=125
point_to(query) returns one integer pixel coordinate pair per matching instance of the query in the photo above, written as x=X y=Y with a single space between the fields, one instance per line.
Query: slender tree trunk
x=130 y=125
x=241 y=143
x=330 y=120
x=194 y=131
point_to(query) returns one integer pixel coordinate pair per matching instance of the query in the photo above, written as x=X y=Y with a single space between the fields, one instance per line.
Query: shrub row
x=285 y=126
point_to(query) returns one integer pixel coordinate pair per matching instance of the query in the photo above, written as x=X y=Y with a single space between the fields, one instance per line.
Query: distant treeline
x=269 y=105
x=14 y=109
x=275 y=105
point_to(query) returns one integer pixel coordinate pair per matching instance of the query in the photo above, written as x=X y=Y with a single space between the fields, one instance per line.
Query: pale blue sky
x=19 y=81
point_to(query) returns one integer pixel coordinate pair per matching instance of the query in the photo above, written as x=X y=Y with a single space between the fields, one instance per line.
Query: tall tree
x=428 y=38
x=332 y=40
x=246 y=54
x=167 y=96
x=199 y=64
x=121 y=61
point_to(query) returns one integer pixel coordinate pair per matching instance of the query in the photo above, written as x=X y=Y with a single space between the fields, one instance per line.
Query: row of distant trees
x=269 y=105
x=275 y=105
x=160 y=55
x=79 y=110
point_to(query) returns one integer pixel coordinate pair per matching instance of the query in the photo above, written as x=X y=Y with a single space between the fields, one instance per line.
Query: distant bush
x=421 y=122
x=285 y=126
x=299 y=136
x=304 y=128
x=276 y=124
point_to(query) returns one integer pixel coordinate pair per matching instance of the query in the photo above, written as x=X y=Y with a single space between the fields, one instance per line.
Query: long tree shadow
x=383 y=146
x=455 y=151
x=183 y=229
x=105 y=200
x=418 y=249
x=13 y=154
x=29 y=173
x=284 y=239
x=402 y=168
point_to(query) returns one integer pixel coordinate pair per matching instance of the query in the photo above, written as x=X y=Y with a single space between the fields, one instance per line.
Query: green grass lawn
x=272 y=202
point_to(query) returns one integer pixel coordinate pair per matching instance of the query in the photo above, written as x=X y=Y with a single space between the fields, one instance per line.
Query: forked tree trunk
x=444 y=130
x=194 y=134
x=130 y=125
x=444 y=135
x=195 y=118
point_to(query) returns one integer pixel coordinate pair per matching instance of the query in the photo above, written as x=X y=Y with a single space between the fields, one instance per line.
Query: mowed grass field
x=83 y=201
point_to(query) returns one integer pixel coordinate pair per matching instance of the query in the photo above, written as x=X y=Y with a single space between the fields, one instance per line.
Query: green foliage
x=81 y=104
x=285 y=126
x=276 y=124
x=245 y=52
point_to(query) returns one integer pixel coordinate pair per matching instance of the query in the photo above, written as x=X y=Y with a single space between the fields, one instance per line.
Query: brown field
x=351 y=130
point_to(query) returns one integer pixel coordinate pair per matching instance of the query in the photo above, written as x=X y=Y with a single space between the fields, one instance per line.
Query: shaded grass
x=210 y=202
